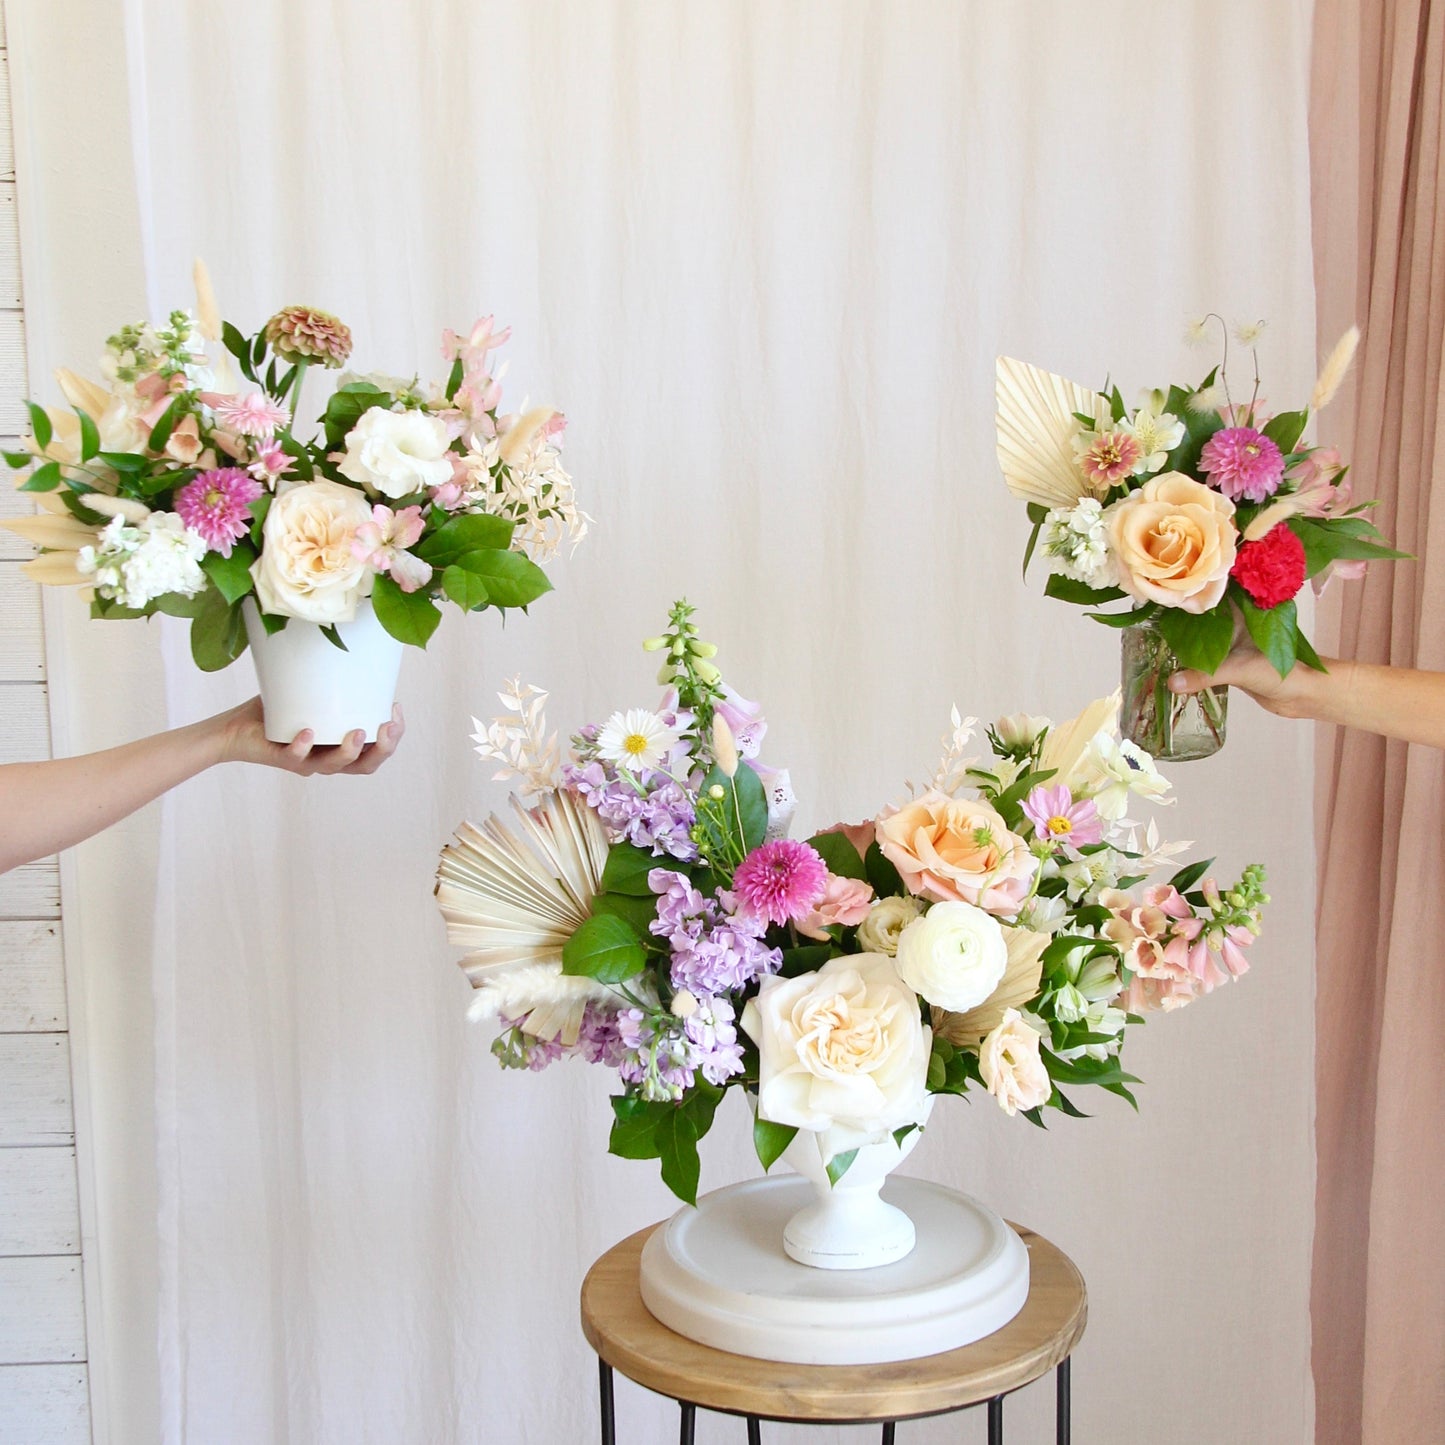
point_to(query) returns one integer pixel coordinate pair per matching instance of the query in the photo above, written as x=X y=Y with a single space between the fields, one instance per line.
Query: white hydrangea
x=1076 y=543
x=135 y=563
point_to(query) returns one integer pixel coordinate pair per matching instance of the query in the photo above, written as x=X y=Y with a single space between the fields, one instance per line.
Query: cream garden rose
x=397 y=453
x=1013 y=1070
x=957 y=849
x=843 y=1051
x=884 y=925
x=1174 y=540
x=306 y=568
x=954 y=956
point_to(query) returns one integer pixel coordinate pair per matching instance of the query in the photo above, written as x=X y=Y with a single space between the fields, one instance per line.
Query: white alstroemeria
x=1075 y=542
x=1044 y=915
x=1086 y=877
x=1087 y=982
x=1099 y=1018
x=1112 y=769
x=636 y=740
x=1157 y=432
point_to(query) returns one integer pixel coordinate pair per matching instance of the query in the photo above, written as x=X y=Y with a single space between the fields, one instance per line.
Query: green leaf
x=634 y=1128
x=1344 y=538
x=842 y=858
x=638 y=912
x=626 y=870
x=231 y=575
x=1125 y=619
x=1067 y=589
x=161 y=431
x=460 y=535
x=1285 y=429
x=123 y=462
x=39 y=424
x=1198 y=639
x=1306 y=653
x=239 y=347
x=410 y=617
x=75 y=505
x=1198 y=428
x=805 y=958
x=511 y=579
x=174 y=605
x=330 y=633
x=840 y=1164
x=305 y=468
x=218 y=635
x=1032 y=542
x=606 y=948
x=89 y=435
x=744 y=806
x=899 y=1135
x=770 y=1140
x=1275 y=632
x=884 y=877
x=259 y=508
x=454 y=378
x=45 y=478
x=466 y=589
x=1186 y=878
x=677 y=1145
x=346 y=406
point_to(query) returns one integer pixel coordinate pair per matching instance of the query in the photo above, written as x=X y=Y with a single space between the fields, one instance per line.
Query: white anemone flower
x=636 y=740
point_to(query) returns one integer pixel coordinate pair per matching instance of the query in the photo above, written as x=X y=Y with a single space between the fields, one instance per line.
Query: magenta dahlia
x=216 y=506
x=1243 y=463
x=781 y=881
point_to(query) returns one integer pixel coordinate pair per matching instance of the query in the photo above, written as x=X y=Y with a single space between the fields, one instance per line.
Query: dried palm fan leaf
x=1036 y=429
x=514 y=892
x=1017 y=989
x=1066 y=744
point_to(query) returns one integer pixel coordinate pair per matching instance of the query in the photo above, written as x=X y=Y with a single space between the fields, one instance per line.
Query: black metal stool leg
x=755 y=1431
x=995 y=1420
x=609 y=1416
x=687 y=1422
x=1063 y=1428
x=888 y=1432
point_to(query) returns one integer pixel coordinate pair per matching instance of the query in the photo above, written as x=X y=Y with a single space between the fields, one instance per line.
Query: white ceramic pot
x=848 y=1226
x=309 y=682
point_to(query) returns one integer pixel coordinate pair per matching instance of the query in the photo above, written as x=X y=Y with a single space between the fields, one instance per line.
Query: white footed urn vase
x=309 y=682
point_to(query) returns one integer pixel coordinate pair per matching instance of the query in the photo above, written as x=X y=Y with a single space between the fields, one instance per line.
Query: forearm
x=51 y=805
x=1396 y=702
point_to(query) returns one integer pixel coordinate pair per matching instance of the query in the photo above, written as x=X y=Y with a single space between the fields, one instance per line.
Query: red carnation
x=1272 y=569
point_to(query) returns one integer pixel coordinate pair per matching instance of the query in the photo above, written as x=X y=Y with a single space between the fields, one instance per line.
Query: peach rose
x=957 y=849
x=1174 y=540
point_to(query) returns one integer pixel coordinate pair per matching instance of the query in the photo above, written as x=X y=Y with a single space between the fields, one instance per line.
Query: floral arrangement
x=1195 y=507
x=180 y=484
x=998 y=928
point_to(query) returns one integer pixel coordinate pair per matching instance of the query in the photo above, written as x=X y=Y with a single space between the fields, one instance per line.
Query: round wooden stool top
x=624 y=1335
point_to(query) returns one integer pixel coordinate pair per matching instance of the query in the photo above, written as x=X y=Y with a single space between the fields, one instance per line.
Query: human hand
x=243 y=739
x=1253 y=673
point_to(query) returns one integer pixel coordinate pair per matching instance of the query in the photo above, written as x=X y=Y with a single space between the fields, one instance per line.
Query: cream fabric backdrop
x=764 y=256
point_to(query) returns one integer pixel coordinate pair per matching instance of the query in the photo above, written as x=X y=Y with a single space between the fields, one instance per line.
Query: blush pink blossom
x=251 y=415
x=1110 y=457
x=780 y=881
x=382 y=542
x=269 y=462
x=845 y=903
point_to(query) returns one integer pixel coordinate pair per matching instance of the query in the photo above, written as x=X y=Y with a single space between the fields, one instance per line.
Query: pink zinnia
x=781 y=881
x=1112 y=456
x=252 y=415
x=1243 y=463
x=1058 y=819
x=216 y=506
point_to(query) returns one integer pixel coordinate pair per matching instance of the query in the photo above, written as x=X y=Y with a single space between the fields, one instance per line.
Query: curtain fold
x=1378 y=1291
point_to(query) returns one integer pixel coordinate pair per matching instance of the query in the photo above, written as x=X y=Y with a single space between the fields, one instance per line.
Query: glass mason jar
x=1170 y=727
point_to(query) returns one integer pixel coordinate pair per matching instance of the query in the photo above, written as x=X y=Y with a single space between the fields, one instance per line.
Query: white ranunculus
x=397 y=453
x=307 y=568
x=843 y=1051
x=954 y=956
x=880 y=931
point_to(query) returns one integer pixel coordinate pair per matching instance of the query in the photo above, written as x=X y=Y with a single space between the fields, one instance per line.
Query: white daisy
x=636 y=740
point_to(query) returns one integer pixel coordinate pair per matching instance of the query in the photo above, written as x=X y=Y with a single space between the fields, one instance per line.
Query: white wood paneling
x=32 y=978
x=44 y=1404
x=39 y=1205
x=13 y=503
x=9 y=248
x=24 y=723
x=42 y=1316
x=7 y=135
x=31 y=891
x=22 y=652
x=35 y=1105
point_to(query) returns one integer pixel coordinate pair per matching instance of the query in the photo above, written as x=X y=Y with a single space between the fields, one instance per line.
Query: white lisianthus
x=1157 y=432
x=397 y=453
x=1110 y=770
x=1011 y=1066
x=1075 y=543
x=134 y=563
x=954 y=956
x=307 y=567
x=843 y=1051
x=881 y=930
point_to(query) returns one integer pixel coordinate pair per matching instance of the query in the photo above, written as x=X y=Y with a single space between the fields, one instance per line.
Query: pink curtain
x=1378 y=1293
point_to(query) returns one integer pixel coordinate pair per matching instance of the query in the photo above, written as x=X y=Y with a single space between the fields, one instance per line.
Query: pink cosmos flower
x=1112 y=456
x=216 y=506
x=781 y=881
x=382 y=542
x=251 y=415
x=845 y=902
x=1058 y=819
x=1243 y=463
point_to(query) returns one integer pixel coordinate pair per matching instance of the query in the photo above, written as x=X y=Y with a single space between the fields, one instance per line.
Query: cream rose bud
x=884 y=925
x=1012 y=1069
x=843 y=1051
x=397 y=453
x=306 y=568
x=954 y=956
x=1174 y=540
